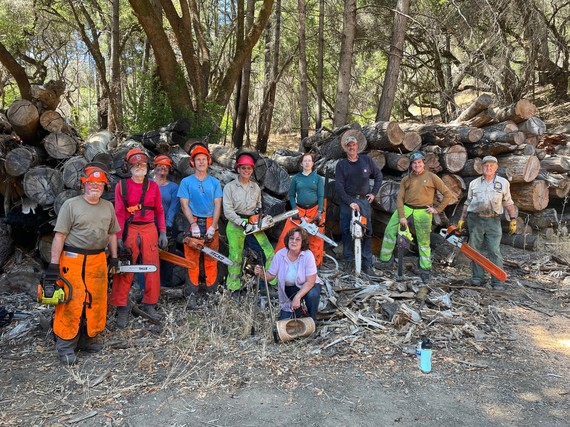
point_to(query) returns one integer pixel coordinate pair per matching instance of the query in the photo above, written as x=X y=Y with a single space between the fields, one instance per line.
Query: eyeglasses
x=295 y=239
x=139 y=165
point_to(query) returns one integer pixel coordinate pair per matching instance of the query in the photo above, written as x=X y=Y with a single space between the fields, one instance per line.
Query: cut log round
x=531 y=197
x=522 y=168
x=469 y=135
x=53 y=122
x=432 y=162
x=412 y=142
x=473 y=167
x=60 y=145
x=223 y=155
x=25 y=119
x=485 y=148
x=558 y=185
x=387 y=196
x=483 y=102
x=532 y=126
x=384 y=136
x=72 y=170
x=506 y=126
x=397 y=162
x=42 y=185
x=560 y=164
x=516 y=138
x=518 y=112
x=49 y=94
x=453 y=158
x=21 y=159
x=456 y=185
x=378 y=157
x=481 y=119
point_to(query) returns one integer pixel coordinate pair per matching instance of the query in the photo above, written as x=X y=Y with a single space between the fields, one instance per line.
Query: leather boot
x=122 y=317
x=150 y=310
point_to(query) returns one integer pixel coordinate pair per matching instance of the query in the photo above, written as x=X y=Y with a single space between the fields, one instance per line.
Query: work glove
x=210 y=232
x=162 y=240
x=113 y=265
x=247 y=227
x=195 y=229
x=51 y=276
x=512 y=227
x=460 y=224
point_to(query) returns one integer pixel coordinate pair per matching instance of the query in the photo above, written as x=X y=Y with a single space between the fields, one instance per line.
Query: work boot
x=122 y=317
x=89 y=345
x=424 y=275
x=67 y=359
x=150 y=310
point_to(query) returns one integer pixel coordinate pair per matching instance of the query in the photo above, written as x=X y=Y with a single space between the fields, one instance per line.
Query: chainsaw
x=313 y=230
x=51 y=293
x=454 y=236
x=198 y=244
x=261 y=222
x=133 y=268
x=357 y=230
x=176 y=259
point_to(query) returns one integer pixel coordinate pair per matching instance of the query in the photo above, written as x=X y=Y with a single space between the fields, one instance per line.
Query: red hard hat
x=245 y=159
x=199 y=149
x=136 y=155
x=94 y=174
x=163 y=160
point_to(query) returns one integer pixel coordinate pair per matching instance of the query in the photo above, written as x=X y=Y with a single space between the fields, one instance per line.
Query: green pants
x=485 y=237
x=236 y=240
x=421 y=220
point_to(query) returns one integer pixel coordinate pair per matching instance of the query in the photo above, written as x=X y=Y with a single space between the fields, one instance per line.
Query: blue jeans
x=311 y=299
x=347 y=243
x=485 y=237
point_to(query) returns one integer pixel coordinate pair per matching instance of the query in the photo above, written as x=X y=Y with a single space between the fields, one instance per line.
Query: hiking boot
x=191 y=303
x=150 y=310
x=425 y=275
x=67 y=359
x=122 y=317
x=89 y=345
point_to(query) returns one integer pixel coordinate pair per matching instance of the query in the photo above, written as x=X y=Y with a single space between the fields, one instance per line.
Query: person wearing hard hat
x=138 y=205
x=415 y=207
x=201 y=200
x=242 y=200
x=487 y=198
x=352 y=185
x=171 y=205
x=85 y=225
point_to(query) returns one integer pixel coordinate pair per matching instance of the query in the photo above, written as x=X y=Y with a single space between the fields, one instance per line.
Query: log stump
x=21 y=159
x=42 y=185
x=25 y=119
x=72 y=170
x=59 y=145
x=531 y=197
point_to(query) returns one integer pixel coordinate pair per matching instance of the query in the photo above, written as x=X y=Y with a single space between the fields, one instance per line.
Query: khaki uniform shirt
x=489 y=199
x=240 y=199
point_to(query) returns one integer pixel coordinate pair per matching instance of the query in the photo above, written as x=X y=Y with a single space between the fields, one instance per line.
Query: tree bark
x=25 y=119
x=394 y=60
x=42 y=185
x=483 y=102
x=341 y=106
x=517 y=112
x=530 y=197
x=303 y=74
x=384 y=136
x=522 y=168
x=17 y=71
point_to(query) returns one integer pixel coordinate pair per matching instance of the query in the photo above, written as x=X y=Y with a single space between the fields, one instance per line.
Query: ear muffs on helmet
x=199 y=148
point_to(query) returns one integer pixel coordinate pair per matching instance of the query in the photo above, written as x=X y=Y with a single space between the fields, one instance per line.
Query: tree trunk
x=456 y=185
x=341 y=107
x=560 y=164
x=469 y=135
x=507 y=126
x=558 y=185
x=516 y=138
x=482 y=149
x=528 y=242
x=115 y=93
x=532 y=126
x=378 y=157
x=288 y=160
x=303 y=74
x=53 y=122
x=522 y=168
x=531 y=197
x=473 y=167
x=412 y=142
x=320 y=65
x=481 y=119
x=397 y=162
x=387 y=196
x=71 y=172
x=21 y=159
x=17 y=71
x=394 y=60
x=451 y=158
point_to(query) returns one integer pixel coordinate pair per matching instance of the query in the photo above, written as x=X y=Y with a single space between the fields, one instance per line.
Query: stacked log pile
x=536 y=162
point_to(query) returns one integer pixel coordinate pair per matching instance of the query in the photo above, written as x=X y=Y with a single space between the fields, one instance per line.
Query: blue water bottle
x=425 y=357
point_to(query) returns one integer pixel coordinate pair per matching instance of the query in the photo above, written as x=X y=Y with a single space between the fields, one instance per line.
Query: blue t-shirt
x=170 y=202
x=200 y=194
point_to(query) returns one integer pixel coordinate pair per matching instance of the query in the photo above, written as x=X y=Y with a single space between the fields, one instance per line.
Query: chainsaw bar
x=269 y=221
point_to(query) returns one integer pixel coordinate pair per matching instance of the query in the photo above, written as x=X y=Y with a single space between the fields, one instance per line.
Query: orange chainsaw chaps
x=487 y=265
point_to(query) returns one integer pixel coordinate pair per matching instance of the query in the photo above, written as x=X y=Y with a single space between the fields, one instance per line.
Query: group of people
x=142 y=219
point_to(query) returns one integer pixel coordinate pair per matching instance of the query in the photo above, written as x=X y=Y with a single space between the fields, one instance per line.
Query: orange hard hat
x=94 y=174
x=245 y=159
x=199 y=149
x=163 y=160
x=136 y=155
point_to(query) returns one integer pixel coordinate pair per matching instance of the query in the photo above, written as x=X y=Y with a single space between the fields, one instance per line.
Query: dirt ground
x=507 y=365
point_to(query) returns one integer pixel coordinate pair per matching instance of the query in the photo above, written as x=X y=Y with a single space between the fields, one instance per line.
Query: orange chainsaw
x=453 y=236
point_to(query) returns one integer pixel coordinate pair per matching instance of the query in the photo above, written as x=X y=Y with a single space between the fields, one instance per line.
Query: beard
x=93 y=195
x=138 y=172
